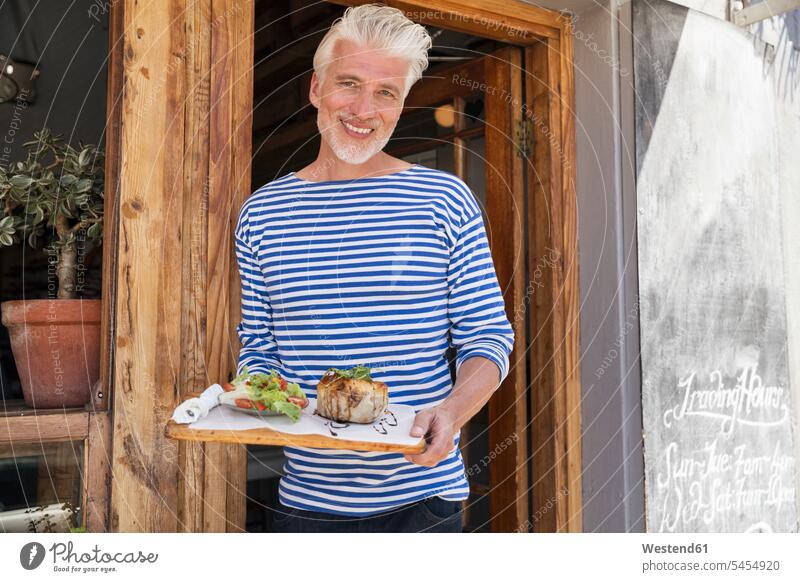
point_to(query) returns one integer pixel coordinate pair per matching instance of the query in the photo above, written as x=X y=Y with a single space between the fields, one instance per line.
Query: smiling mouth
x=356 y=131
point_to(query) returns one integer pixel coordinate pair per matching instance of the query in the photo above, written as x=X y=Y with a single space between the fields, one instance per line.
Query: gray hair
x=376 y=26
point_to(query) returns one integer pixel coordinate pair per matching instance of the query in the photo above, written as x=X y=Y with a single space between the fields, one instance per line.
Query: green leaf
x=20 y=181
x=83 y=185
x=290 y=409
x=95 y=230
x=38 y=215
x=83 y=157
x=293 y=389
x=356 y=372
x=6 y=240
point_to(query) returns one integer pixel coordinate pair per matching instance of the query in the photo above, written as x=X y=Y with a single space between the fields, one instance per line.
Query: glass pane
x=445 y=158
x=440 y=158
x=476 y=169
x=424 y=123
x=426 y=158
x=40 y=487
x=474 y=115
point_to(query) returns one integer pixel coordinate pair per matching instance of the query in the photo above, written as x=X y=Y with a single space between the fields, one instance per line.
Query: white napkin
x=196 y=408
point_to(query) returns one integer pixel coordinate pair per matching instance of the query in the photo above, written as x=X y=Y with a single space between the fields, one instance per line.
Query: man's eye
x=387 y=93
x=346 y=83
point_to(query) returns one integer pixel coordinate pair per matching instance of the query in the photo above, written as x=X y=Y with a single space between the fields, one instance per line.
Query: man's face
x=359 y=100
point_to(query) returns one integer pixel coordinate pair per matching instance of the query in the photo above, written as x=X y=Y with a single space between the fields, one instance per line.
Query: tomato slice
x=301 y=402
x=284 y=383
x=244 y=403
x=261 y=406
x=228 y=387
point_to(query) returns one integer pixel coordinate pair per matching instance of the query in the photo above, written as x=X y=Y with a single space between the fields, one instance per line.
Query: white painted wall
x=784 y=76
x=613 y=469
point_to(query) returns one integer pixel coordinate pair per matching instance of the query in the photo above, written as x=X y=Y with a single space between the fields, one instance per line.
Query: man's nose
x=362 y=105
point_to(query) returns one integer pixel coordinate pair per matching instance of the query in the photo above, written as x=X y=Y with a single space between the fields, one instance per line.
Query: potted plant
x=54 y=200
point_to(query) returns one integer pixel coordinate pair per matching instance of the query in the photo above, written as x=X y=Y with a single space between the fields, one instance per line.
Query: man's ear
x=313 y=92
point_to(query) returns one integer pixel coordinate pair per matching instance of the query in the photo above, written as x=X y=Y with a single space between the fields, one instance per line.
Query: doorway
x=491 y=110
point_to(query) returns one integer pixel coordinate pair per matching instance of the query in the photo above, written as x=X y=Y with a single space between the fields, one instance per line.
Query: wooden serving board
x=266 y=436
x=390 y=433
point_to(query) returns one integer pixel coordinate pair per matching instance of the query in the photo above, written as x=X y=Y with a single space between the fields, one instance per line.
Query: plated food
x=343 y=395
x=265 y=394
x=351 y=395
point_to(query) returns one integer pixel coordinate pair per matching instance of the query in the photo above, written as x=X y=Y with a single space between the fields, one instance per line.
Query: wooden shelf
x=19 y=408
x=20 y=424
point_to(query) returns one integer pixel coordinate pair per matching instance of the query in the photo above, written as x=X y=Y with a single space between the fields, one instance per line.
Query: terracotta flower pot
x=56 y=347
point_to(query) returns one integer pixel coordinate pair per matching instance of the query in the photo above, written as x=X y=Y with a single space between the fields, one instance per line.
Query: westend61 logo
x=65 y=559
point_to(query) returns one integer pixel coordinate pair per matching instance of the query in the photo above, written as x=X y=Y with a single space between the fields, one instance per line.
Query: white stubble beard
x=348 y=149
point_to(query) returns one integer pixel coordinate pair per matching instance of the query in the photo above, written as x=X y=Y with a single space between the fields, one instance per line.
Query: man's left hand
x=438 y=426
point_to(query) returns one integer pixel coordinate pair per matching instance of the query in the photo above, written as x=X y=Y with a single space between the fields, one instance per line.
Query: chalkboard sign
x=717 y=413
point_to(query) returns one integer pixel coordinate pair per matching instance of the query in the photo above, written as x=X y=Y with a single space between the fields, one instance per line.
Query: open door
x=459 y=120
x=496 y=122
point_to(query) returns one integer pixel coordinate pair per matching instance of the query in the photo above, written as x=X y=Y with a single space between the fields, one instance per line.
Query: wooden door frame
x=554 y=428
x=173 y=61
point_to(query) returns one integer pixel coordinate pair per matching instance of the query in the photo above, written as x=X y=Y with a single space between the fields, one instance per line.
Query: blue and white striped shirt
x=386 y=272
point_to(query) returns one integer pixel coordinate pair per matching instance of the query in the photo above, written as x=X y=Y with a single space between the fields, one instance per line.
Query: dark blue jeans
x=433 y=514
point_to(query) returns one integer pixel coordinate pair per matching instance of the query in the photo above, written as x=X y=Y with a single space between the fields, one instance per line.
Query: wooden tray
x=266 y=436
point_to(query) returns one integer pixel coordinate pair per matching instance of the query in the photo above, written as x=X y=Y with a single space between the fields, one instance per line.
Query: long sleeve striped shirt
x=383 y=271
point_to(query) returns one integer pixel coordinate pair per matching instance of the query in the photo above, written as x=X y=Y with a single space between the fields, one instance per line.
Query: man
x=362 y=258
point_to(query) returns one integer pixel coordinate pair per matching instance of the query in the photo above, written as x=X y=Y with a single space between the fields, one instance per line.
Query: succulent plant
x=54 y=200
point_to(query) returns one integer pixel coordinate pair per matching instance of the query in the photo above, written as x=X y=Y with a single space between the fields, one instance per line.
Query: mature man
x=362 y=258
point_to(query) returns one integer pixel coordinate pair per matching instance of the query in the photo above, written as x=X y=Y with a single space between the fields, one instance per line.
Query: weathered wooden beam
x=96 y=493
x=32 y=428
x=185 y=144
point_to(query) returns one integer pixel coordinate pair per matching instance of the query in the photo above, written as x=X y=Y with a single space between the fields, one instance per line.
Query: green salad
x=260 y=391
